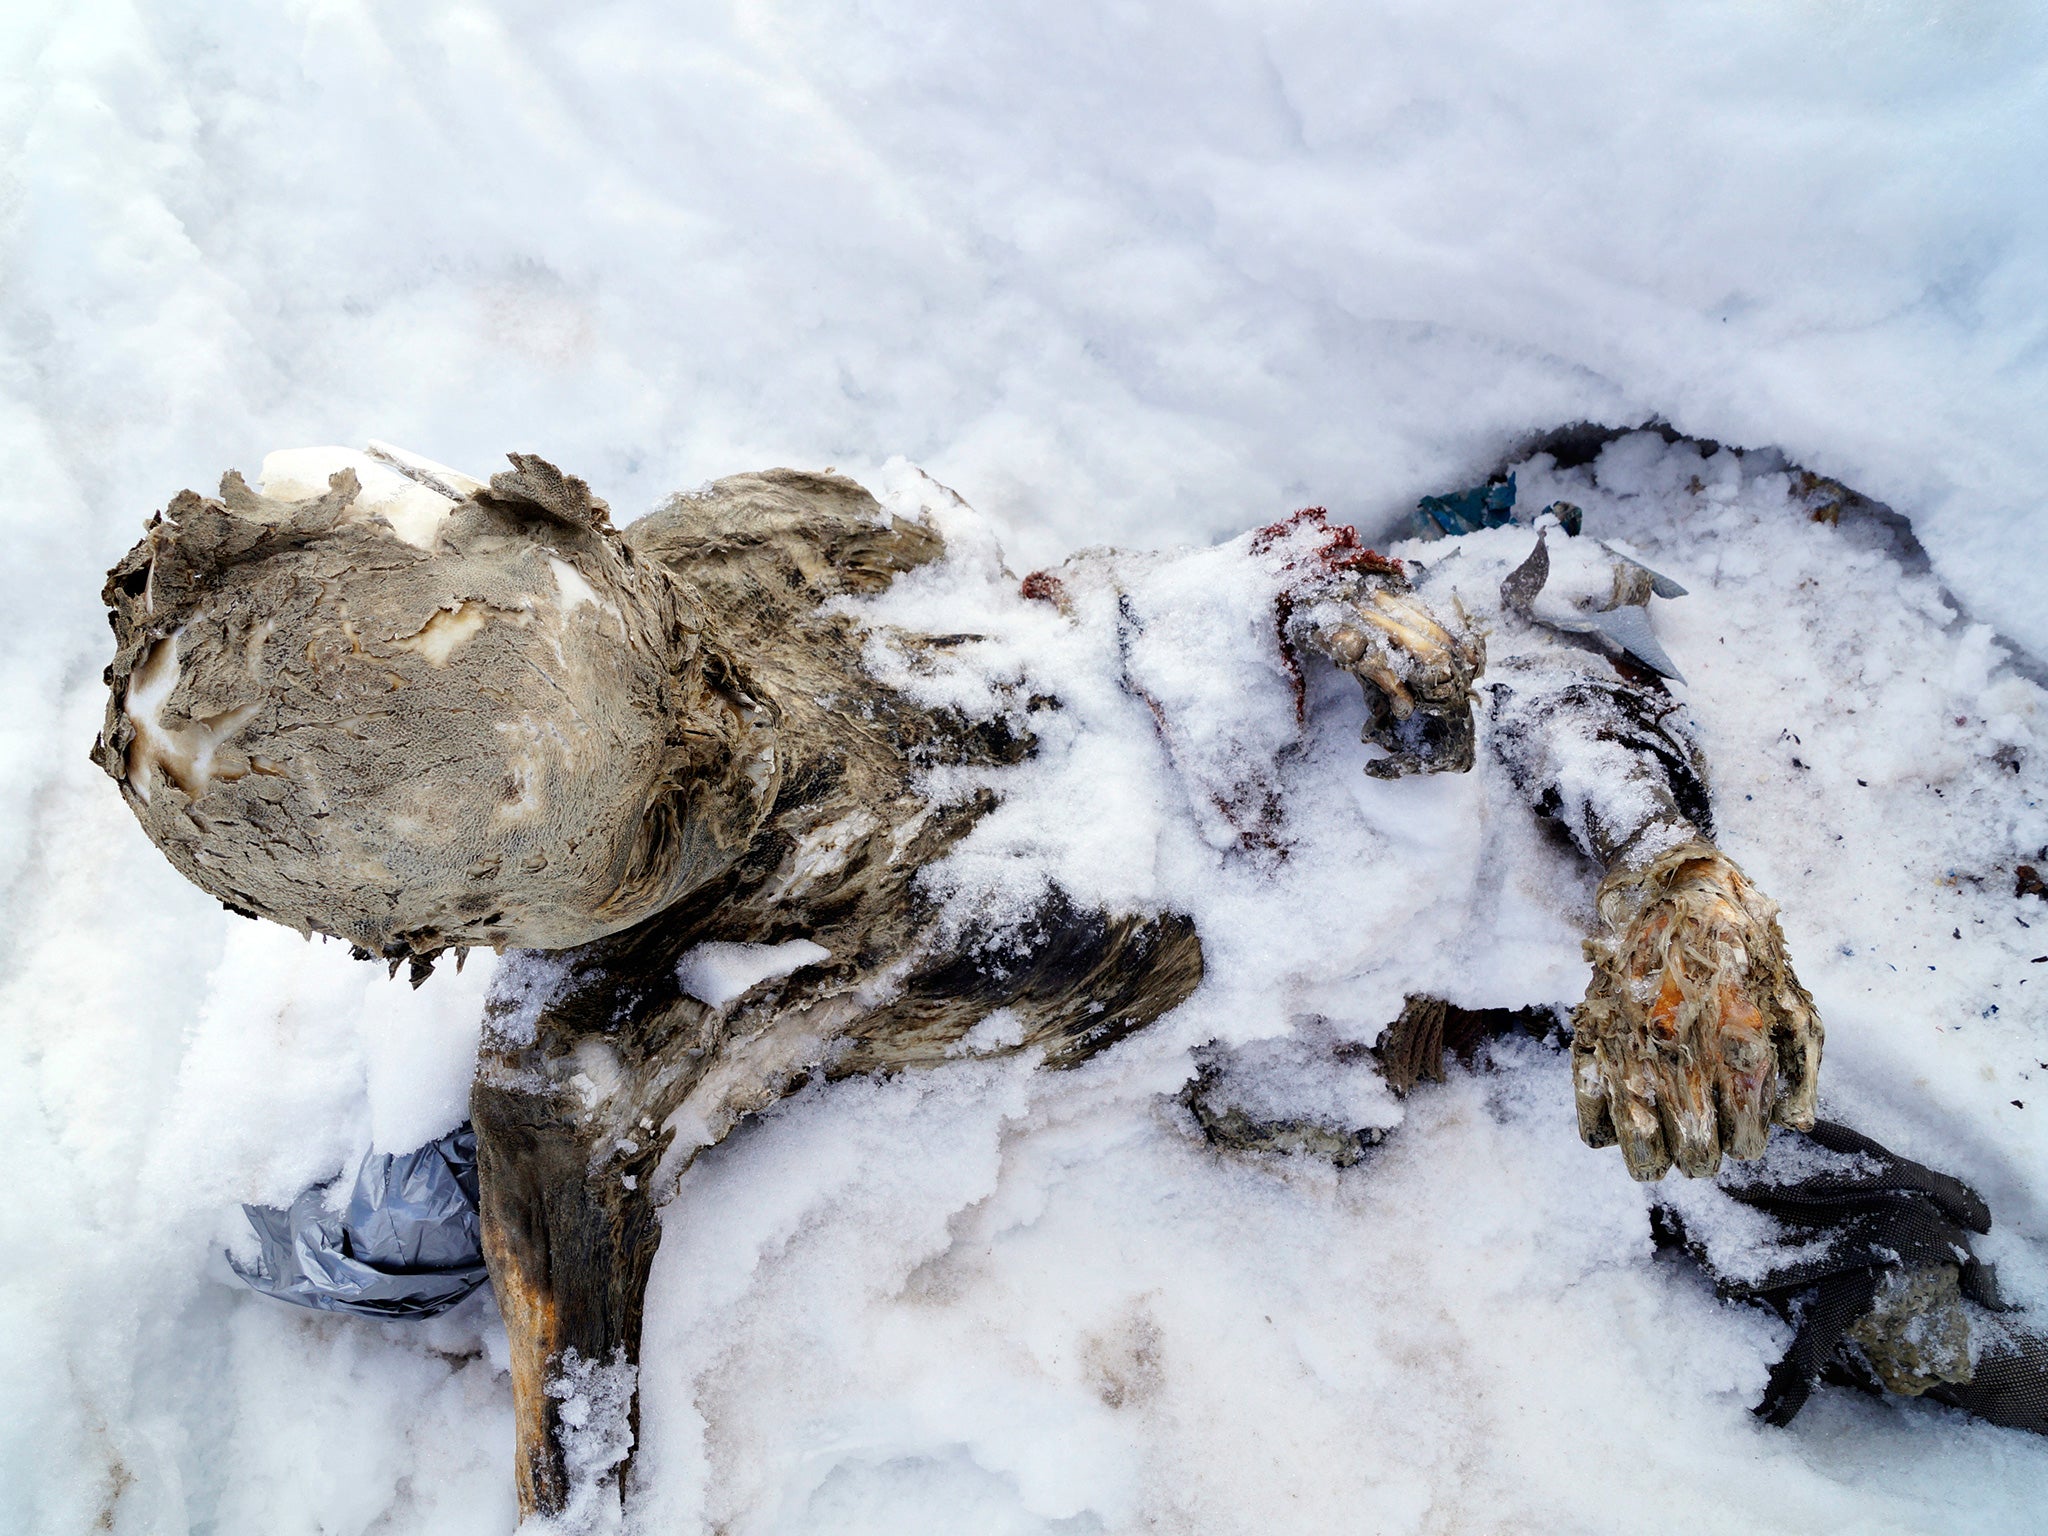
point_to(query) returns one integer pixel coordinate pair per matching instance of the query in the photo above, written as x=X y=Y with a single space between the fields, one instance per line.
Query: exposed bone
x=1417 y=674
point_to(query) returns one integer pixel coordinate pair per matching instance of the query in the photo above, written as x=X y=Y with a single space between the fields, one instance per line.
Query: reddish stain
x=1043 y=587
x=1339 y=550
x=1337 y=553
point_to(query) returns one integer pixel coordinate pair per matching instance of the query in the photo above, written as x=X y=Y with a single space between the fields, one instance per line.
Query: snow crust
x=1127 y=276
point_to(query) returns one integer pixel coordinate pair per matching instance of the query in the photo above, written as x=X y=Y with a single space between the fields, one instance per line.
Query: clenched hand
x=1417 y=674
x=1695 y=1035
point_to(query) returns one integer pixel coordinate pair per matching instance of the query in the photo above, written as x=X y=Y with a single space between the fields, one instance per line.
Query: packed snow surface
x=1120 y=275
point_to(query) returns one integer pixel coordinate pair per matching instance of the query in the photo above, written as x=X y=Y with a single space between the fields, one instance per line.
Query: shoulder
x=785 y=532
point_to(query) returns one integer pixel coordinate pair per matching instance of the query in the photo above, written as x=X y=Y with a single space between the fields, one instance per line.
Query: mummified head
x=417 y=712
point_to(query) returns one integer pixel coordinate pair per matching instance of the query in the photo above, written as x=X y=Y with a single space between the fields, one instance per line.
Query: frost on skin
x=528 y=984
x=593 y=1407
x=1203 y=636
x=1615 y=763
x=1303 y=1094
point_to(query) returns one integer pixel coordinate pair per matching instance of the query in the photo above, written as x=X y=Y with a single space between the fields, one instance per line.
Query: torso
x=835 y=863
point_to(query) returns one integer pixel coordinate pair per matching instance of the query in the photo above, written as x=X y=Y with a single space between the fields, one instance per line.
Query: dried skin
x=1694 y=1036
x=542 y=732
x=761 y=559
x=1417 y=671
x=521 y=727
x=517 y=736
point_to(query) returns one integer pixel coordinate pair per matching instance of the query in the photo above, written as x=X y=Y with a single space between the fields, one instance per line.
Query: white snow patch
x=715 y=974
x=182 y=753
x=452 y=483
x=574 y=590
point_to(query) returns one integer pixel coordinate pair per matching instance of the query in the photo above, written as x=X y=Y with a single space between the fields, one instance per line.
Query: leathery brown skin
x=1417 y=674
x=758 y=785
x=1694 y=1036
x=569 y=1257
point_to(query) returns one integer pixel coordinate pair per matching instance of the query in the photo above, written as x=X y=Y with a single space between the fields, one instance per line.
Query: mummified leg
x=569 y=1237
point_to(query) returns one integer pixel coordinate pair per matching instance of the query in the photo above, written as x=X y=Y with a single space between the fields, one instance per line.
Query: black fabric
x=2010 y=1385
x=1847 y=1222
x=1597 y=753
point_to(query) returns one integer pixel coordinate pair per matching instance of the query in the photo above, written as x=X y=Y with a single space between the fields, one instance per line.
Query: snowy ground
x=1117 y=274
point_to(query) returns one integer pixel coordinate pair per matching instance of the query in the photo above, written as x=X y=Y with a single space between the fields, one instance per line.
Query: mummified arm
x=1694 y=1035
x=1416 y=672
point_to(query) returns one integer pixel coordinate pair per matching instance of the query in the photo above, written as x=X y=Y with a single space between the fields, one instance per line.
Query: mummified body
x=420 y=713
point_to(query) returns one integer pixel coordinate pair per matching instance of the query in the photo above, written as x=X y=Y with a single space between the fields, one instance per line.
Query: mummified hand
x=1417 y=674
x=1695 y=1035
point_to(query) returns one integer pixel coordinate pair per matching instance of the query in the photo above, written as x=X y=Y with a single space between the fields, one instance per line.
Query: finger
x=1746 y=1073
x=1632 y=1101
x=1381 y=676
x=1409 y=625
x=1799 y=1037
x=1796 y=1029
x=1345 y=644
x=1589 y=1091
x=1683 y=1072
x=1364 y=652
x=1609 y=1028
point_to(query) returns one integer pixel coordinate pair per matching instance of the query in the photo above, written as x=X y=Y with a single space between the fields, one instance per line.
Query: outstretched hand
x=1695 y=1035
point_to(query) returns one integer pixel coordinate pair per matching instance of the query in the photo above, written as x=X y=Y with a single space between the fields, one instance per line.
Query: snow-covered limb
x=1617 y=763
x=1694 y=1036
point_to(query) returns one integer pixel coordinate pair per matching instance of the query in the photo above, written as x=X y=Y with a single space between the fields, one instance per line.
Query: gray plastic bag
x=405 y=1245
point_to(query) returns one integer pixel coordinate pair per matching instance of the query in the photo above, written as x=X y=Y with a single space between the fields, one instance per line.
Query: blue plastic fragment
x=1482 y=506
x=407 y=1244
